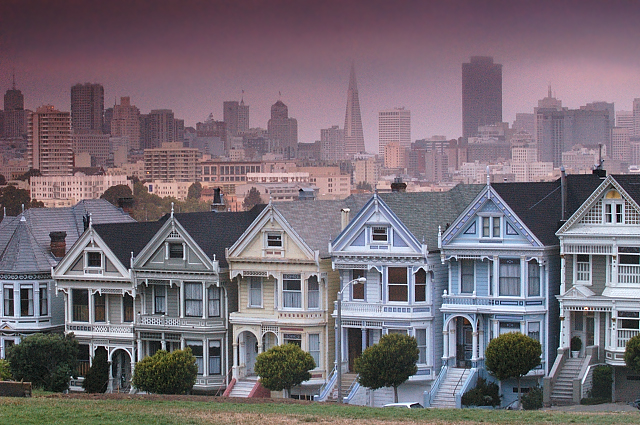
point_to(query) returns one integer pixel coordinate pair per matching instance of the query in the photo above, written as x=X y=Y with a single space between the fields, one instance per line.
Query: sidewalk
x=606 y=407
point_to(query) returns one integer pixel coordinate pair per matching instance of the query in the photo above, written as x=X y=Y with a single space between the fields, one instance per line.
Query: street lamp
x=339 y=326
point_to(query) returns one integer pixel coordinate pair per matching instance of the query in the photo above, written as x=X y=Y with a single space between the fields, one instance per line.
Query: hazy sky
x=191 y=55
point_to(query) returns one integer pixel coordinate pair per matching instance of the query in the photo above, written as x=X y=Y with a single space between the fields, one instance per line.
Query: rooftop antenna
x=549 y=95
x=242 y=97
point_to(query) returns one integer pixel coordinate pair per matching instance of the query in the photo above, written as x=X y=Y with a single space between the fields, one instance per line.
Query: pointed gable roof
x=22 y=254
x=125 y=238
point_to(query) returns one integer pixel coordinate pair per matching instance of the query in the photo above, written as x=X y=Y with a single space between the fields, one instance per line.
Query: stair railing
x=326 y=388
x=430 y=395
x=353 y=388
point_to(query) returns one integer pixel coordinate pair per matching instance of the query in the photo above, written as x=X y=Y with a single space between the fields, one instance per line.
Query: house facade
x=600 y=288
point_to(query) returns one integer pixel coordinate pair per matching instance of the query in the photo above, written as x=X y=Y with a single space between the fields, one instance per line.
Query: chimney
x=58 y=244
x=345 y=214
x=217 y=205
x=398 y=185
x=126 y=204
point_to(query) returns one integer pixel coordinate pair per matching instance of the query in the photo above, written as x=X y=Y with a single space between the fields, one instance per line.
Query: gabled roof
x=630 y=183
x=22 y=254
x=125 y=238
x=318 y=222
x=539 y=204
x=424 y=212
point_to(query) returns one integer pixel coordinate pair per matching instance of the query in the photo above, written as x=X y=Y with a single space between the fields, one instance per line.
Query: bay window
x=292 y=290
x=509 y=278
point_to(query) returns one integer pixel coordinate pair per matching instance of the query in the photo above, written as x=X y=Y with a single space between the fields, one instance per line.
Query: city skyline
x=191 y=56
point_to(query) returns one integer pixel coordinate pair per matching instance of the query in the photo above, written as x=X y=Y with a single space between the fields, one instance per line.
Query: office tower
x=87 y=108
x=481 y=94
x=625 y=119
x=353 y=134
x=603 y=106
x=235 y=116
x=15 y=117
x=636 y=117
x=49 y=141
x=125 y=122
x=283 y=131
x=394 y=125
x=172 y=162
x=620 y=144
x=332 y=144
x=157 y=127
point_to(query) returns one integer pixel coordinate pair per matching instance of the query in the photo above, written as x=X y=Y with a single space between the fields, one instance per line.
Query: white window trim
x=575 y=271
x=167 y=250
x=261 y=282
x=157 y=288
x=475 y=270
x=491 y=218
x=613 y=203
x=274 y=233
x=387 y=232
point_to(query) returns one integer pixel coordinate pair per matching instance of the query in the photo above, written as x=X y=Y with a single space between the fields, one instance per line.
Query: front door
x=355 y=346
x=464 y=343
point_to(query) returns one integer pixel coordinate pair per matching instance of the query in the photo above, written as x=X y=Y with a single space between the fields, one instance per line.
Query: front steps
x=243 y=387
x=562 y=391
x=445 y=397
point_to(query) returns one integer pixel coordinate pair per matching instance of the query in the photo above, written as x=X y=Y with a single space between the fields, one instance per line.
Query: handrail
x=436 y=385
x=586 y=375
x=353 y=388
x=458 y=383
x=226 y=382
x=471 y=380
x=326 y=388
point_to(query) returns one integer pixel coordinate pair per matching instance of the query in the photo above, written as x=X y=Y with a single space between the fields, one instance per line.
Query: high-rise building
x=481 y=94
x=235 y=116
x=332 y=144
x=636 y=117
x=394 y=125
x=50 y=147
x=87 y=108
x=625 y=119
x=353 y=134
x=15 y=117
x=620 y=144
x=125 y=122
x=157 y=127
x=283 y=131
x=172 y=162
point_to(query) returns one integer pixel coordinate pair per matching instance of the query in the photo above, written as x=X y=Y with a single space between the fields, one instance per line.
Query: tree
x=512 y=355
x=97 y=378
x=46 y=360
x=13 y=199
x=166 y=373
x=388 y=363
x=284 y=366
x=116 y=192
x=31 y=173
x=252 y=199
x=364 y=186
x=195 y=190
x=632 y=353
x=3 y=180
x=5 y=371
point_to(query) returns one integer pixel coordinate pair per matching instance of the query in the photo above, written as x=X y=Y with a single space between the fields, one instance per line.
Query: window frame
x=392 y=287
x=96 y=305
x=198 y=355
x=198 y=301
x=418 y=284
x=422 y=348
x=489 y=225
x=8 y=302
x=254 y=291
x=315 y=292
x=503 y=292
x=535 y=265
x=172 y=251
x=316 y=353
x=80 y=315
x=273 y=240
x=291 y=279
x=357 y=287
x=127 y=310
x=214 y=296
x=43 y=300
x=211 y=370
x=589 y=270
x=28 y=302
x=90 y=259
x=377 y=234
x=159 y=292
x=461 y=288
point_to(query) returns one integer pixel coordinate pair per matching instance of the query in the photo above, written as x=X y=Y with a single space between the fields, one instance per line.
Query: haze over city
x=190 y=56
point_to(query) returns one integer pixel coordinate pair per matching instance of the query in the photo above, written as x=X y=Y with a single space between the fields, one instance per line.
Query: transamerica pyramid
x=353 y=135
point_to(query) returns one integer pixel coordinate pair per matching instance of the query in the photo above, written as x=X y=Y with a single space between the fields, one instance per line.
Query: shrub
x=593 y=400
x=602 y=382
x=5 y=372
x=166 y=373
x=632 y=353
x=97 y=378
x=533 y=399
x=484 y=394
x=46 y=360
x=576 y=343
x=283 y=366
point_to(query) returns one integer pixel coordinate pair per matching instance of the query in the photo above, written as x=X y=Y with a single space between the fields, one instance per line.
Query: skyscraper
x=125 y=122
x=283 y=131
x=87 y=108
x=235 y=116
x=15 y=117
x=49 y=141
x=481 y=94
x=157 y=127
x=394 y=126
x=353 y=134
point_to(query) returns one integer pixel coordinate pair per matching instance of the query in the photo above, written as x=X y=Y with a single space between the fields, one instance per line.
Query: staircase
x=347 y=380
x=445 y=397
x=562 y=391
x=243 y=387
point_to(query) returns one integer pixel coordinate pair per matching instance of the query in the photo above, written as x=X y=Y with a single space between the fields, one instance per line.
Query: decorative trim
x=31 y=276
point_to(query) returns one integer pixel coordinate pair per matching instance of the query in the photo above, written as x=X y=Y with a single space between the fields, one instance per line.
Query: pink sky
x=192 y=55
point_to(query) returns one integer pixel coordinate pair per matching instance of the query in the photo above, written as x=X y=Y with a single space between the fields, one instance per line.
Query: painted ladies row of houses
x=552 y=260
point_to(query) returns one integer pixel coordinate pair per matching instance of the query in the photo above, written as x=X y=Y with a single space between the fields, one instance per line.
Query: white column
x=445 y=344
x=90 y=302
x=139 y=353
x=364 y=339
x=474 y=346
x=36 y=299
x=16 y=300
x=563 y=278
x=181 y=300
x=204 y=303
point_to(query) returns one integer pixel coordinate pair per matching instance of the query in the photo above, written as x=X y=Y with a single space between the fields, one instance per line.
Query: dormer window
x=380 y=234
x=491 y=227
x=274 y=240
x=94 y=259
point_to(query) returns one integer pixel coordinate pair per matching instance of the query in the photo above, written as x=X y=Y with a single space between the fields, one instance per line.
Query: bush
x=593 y=400
x=46 y=360
x=5 y=372
x=576 y=343
x=602 y=382
x=632 y=353
x=166 y=373
x=484 y=394
x=97 y=378
x=283 y=366
x=533 y=399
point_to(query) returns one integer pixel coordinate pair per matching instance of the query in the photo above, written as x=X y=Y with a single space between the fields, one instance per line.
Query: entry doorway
x=464 y=343
x=354 y=336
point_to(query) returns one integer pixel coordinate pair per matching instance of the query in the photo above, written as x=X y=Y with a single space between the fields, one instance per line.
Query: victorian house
x=30 y=245
x=392 y=242
x=599 y=291
x=286 y=287
x=503 y=263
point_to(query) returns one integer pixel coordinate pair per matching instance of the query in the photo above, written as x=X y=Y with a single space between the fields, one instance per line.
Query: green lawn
x=61 y=410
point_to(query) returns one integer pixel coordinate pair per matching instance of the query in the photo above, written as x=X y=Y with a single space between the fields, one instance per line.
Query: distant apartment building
x=87 y=108
x=160 y=126
x=394 y=125
x=395 y=155
x=50 y=147
x=366 y=169
x=14 y=117
x=526 y=167
x=235 y=116
x=125 y=123
x=97 y=145
x=50 y=189
x=332 y=144
x=172 y=162
x=620 y=144
x=164 y=189
x=330 y=182
x=580 y=159
x=283 y=131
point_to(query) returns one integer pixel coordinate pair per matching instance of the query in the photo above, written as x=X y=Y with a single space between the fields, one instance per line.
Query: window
x=507 y=327
x=159 y=299
x=534 y=330
x=534 y=278
x=293 y=339
x=292 y=291
x=44 y=300
x=628 y=320
x=421 y=338
x=398 y=288
x=491 y=227
x=176 y=250
x=127 y=308
x=99 y=308
x=215 y=357
x=613 y=208
x=7 y=293
x=255 y=292
x=467 y=276
x=314 y=348
x=357 y=288
x=313 y=292
x=26 y=300
x=196 y=350
x=94 y=259
x=193 y=299
x=213 y=299
x=379 y=234
x=509 y=281
x=80 y=305
x=583 y=268
x=420 y=285
x=274 y=240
